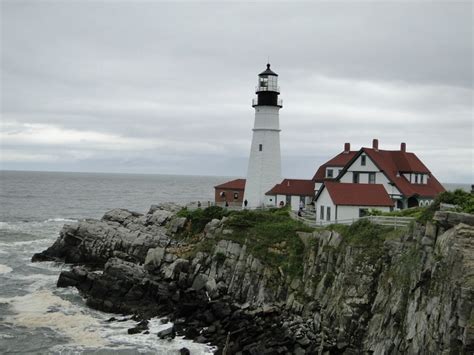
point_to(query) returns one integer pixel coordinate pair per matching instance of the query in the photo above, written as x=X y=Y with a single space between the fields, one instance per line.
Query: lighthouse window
x=260 y=147
x=263 y=82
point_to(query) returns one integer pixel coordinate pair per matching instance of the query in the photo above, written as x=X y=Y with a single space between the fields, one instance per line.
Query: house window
x=260 y=147
x=421 y=178
x=321 y=213
x=363 y=212
x=339 y=172
x=328 y=213
x=236 y=195
x=355 y=177
x=416 y=178
x=329 y=173
x=363 y=160
x=371 y=178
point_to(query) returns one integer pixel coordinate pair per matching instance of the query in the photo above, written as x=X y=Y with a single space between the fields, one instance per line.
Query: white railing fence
x=391 y=221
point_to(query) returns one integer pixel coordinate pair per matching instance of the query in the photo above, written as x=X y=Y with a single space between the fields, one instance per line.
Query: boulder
x=139 y=328
x=159 y=217
x=199 y=282
x=120 y=215
x=211 y=287
x=448 y=219
x=154 y=258
x=166 y=333
x=176 y=224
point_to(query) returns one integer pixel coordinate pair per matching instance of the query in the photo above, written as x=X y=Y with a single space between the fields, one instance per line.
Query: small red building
x=231 y=192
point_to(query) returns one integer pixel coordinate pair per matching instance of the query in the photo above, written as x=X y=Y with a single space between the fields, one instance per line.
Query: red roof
x=295 y=187
x=395 y=162
x=346 y=194
x=339 y=160
x=237 y=184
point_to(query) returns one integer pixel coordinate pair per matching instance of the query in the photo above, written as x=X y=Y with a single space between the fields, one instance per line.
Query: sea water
x=37 y=317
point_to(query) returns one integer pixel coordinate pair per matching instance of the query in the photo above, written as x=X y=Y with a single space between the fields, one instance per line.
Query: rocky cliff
x=360 y=289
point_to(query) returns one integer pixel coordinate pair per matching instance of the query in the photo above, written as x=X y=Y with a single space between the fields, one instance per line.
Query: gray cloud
x=166 y=88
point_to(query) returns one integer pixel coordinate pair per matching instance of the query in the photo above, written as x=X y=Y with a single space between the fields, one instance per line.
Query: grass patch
x=414 y=212
x=369 y=237
x=198 y=218
x=271 y=237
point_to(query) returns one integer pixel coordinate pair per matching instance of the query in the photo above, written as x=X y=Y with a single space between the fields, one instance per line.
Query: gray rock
x=211 y=287
x=154 y=258
x=165 y=333
x=199 y=282
x=426 y=241
x=159 y=217
x=120 y=215
x=176 y=224
x=173 y=270
x=449 y=219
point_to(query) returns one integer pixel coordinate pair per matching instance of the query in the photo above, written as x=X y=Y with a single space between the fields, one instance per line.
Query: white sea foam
x=44 y=309
x=60 y=220
x=89 y=329
x=116 y=333
x=4 y=269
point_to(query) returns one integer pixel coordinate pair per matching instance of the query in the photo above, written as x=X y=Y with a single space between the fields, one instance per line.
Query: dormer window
x=329 y=173
x=363 y=159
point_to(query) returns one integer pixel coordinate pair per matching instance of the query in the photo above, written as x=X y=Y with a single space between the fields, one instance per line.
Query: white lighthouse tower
x=264 y=170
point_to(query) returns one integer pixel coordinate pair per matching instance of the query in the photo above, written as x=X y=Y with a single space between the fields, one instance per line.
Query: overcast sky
x=158 y=87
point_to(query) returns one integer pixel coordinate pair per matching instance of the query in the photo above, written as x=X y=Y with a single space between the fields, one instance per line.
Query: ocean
x=35 y=316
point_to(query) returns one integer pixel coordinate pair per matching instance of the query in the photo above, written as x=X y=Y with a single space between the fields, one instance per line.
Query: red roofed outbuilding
x=231 y=192
x=293 y=192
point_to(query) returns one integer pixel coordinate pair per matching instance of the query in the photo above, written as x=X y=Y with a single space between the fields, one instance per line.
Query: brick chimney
x=375 y=144
x=347 y=147
x=403 y=147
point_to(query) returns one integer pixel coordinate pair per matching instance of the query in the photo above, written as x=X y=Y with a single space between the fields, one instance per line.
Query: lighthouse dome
x=268 y=71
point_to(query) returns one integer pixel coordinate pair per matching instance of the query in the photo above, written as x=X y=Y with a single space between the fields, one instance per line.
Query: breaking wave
x=4 y=269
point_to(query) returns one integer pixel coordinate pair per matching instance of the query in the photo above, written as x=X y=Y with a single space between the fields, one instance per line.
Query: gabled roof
x=393 y=163
x=345 y=194
x=295 y=187
x=339 y=160
x=237 y=184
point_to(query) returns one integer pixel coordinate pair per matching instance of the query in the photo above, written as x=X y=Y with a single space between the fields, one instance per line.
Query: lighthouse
x=264 y=169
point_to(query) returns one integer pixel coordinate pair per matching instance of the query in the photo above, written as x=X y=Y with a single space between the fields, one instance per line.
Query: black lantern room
x=267 y=89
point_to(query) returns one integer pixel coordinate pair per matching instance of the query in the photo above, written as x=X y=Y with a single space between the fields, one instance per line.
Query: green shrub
x=464 y=200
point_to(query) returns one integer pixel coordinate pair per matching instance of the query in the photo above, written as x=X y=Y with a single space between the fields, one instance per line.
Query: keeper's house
x=353 y=182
